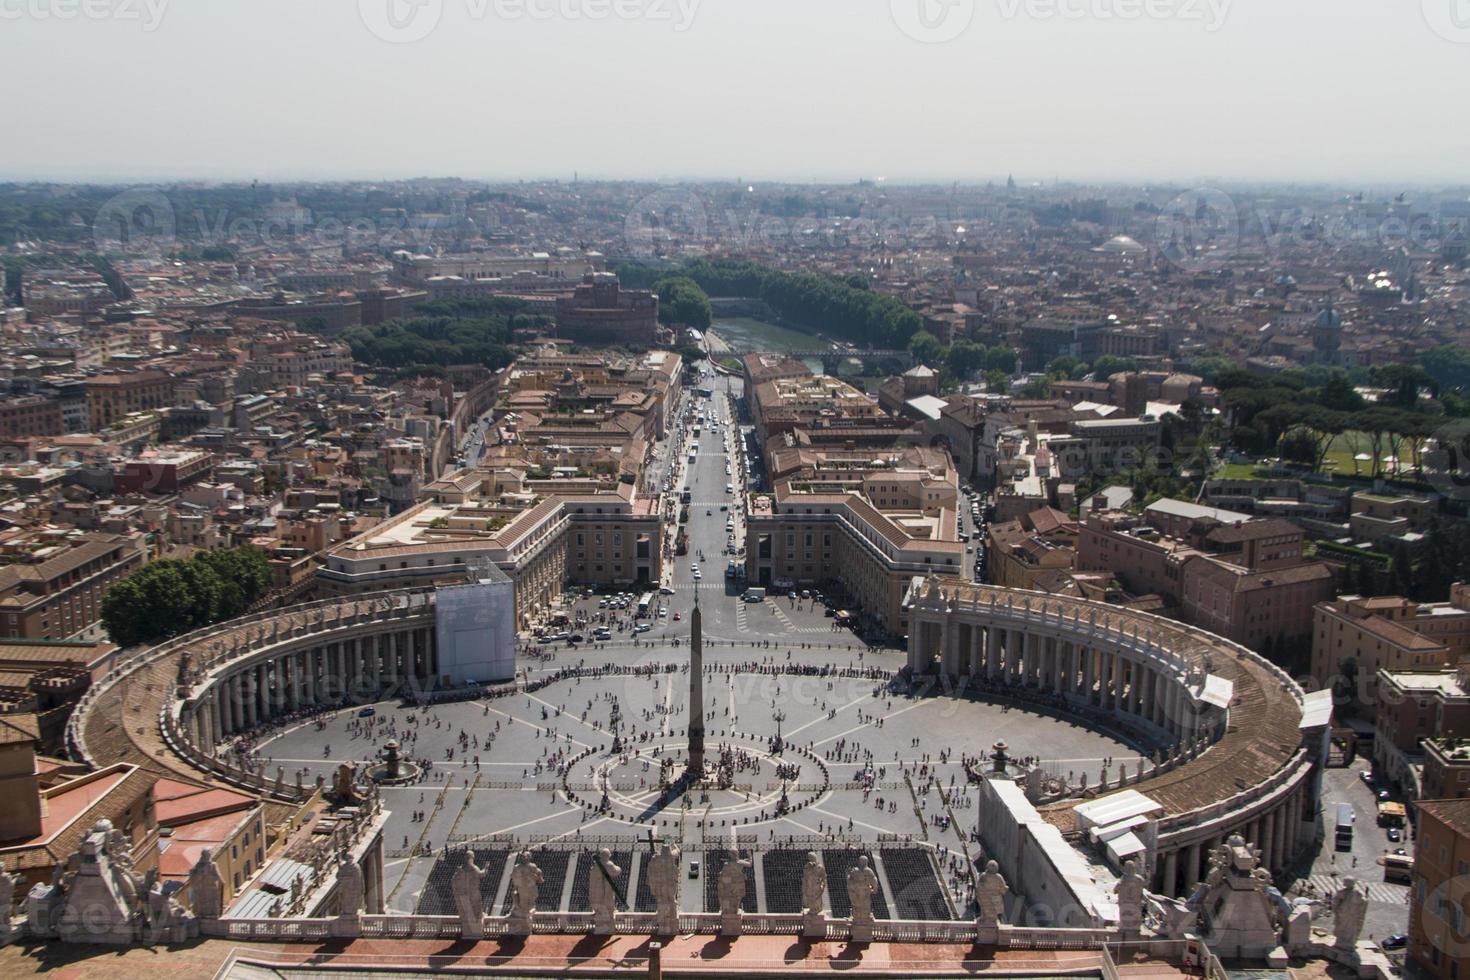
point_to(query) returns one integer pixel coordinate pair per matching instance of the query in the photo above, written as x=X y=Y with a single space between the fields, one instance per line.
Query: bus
x=1391 y=814
x=644 y=604
x=1343 y=837
x=1398 y=868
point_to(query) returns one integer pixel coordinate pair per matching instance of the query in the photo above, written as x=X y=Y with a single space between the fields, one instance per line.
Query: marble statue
x=663 y=882
x=813 y=888
x=98 y=906
x=732 y=892
x=206 y=887
x=1130 y=891
x=343 y=789
x=1180 y=919
x=1349 y=909
x=990 y=894
x=7 y=906
x=1035 y=786
x=602 y=892
x=164 y=918
x=350 y=888
x=525 y=889
x=7 y=896
x=862 y=883
x=469 y=902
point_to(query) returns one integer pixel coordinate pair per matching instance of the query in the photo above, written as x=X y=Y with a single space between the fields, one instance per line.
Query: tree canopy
x=444 y=333
x=169 y=597
x=682 y=302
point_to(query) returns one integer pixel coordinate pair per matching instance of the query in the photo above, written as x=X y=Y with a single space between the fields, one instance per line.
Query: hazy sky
x=1329 y=90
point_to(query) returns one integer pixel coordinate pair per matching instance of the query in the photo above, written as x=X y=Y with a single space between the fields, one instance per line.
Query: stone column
x=992 y=652
x=949 y=648
x=1170 y=881
x=976 y=654
x=249 y=696
x=1270 y=833
x=1089 y=673
x=295 y=688
x=1289 y=833
x=1191 y=867
x=375 y=666
x=230 y=705
x=267 y=696
x=1156 y=697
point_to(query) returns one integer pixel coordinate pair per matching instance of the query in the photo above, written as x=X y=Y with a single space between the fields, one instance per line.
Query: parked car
x=1397 y=941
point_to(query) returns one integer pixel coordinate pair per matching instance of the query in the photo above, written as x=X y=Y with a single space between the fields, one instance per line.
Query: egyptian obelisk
x=696 y=691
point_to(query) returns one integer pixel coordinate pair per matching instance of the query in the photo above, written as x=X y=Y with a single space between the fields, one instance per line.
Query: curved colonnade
x=170 y=706
x=1232 y=756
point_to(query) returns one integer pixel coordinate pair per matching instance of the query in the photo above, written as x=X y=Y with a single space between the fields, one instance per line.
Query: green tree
x=1109 y=364
x=965 y=358
x=682 y=302
x=168 y=597
x=927 y=349
x=1002 y=358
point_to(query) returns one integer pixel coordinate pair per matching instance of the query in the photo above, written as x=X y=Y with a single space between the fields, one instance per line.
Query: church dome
x=1122 y=245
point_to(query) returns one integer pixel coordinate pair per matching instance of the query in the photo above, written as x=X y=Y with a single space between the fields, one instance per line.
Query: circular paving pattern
x=746 y=781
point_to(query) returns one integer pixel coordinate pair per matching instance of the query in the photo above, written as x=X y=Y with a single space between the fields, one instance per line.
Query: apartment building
x=31 y=415
x=1244 y=579
x=1410 y=707
x=1025 y=551
x=542 y=543
x=54 y=583
x=871 y=525
x=111 y=397
x=1363 y=635
x=1440 y=892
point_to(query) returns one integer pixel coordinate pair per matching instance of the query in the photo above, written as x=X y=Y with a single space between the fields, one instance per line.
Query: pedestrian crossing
x=792 y=627
x=1378 y=891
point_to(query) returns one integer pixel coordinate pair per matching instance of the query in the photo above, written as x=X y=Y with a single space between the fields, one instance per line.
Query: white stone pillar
x=252 y=701
x=949 y=648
